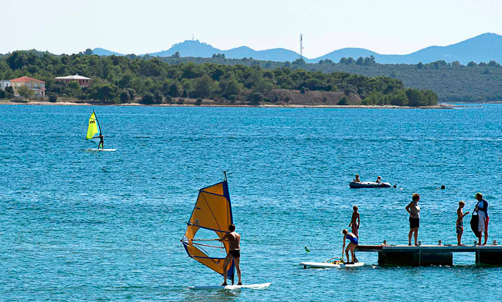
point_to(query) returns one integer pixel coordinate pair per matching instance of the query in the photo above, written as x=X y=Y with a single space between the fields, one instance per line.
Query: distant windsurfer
x=101 y=142
x=234 y=252
x=351 y=247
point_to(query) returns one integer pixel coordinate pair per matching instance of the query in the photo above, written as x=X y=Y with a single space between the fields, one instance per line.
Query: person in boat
x=414 y=210
x=355 y=221
x=234 y=252
x=459 y=225
x=379 y=179
x=357 y=178
x=353 y=243
x=482 y=210
x=101 y=141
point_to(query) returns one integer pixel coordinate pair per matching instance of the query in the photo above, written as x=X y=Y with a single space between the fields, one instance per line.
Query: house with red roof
x=82 y=81
x=36 y=85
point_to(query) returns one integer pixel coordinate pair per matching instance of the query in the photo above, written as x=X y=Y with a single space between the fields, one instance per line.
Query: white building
x=4 y=84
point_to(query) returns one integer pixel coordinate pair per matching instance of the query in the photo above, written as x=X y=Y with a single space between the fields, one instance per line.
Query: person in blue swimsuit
x=353 y=242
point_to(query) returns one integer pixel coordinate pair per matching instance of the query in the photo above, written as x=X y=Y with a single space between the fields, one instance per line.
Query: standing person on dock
x=414 y=210
x=355 y=221
x=482 y=209
x=460 y=221
x=351 y=247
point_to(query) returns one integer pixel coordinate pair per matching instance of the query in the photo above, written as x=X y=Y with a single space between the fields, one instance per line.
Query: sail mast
x=97 y=121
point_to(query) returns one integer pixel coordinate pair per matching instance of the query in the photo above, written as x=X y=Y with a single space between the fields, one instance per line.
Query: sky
x=146 y=26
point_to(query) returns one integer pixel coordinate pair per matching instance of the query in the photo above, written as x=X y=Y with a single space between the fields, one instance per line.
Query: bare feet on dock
x=461 y=244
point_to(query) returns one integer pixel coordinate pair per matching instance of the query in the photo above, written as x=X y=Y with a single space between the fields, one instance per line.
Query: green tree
x=174 y=90
x=148 y=99
x=9 y=92
x=25 y=92
x=53 y=97
x=124 y=96
x=343 y=100
x=231 y=87
x=255 y=98
x=203 y=87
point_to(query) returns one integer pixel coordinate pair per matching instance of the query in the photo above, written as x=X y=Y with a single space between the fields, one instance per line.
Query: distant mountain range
x=483 y=48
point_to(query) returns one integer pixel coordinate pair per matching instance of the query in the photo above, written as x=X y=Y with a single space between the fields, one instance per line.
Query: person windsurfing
x=234 y=253
x=101 y=141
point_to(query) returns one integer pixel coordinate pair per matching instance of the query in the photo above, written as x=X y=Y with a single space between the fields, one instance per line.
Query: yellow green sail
x=93 y=128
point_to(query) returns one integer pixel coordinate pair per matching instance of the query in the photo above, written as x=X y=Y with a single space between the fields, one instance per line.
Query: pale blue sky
x=127 y=26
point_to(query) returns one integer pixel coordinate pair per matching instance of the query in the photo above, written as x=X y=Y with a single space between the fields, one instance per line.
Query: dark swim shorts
x=414 y=223
x=235 y=253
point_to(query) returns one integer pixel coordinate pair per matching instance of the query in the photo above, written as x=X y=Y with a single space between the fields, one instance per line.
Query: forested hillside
x=452 y=82
x=149 y=80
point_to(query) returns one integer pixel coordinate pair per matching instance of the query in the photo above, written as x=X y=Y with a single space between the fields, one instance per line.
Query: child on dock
x=460 y=221
x=355 y=221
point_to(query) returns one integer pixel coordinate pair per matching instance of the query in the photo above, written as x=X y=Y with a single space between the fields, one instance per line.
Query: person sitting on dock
x=379 y=179
x=414 y=210
x=482 y=209
x=460 y=221
x=355 y=221
x=357 y=178
x=351 y=247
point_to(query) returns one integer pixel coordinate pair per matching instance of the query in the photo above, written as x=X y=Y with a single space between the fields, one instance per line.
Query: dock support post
x=419 y=258
x=488 y=258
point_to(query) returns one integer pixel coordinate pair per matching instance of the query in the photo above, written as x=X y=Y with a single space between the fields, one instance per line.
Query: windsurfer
x=101 y=141
x=234 y=252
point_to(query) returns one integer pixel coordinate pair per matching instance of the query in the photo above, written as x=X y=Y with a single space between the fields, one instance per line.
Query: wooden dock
x=425 y=255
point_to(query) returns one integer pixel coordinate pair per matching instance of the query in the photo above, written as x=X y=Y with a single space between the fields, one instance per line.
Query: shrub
x=255 y=98
x=343 y=100
x=198 y=102
x=147 y=99
x=53 y=97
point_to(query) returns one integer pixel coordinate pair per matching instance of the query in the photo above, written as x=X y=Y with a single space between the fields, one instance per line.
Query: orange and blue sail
x=212 y=212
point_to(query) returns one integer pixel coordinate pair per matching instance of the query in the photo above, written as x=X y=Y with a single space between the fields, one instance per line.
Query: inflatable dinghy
x=368 y=184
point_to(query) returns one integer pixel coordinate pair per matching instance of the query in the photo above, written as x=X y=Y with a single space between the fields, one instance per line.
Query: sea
x=106 y=226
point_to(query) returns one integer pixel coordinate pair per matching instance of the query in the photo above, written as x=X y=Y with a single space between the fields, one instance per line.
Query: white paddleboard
x=253 y=286
x=329 y=265
x=101 y=150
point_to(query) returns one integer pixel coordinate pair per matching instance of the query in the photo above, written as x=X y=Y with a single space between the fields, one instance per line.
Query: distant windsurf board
x=100 y=150
x=230 y=287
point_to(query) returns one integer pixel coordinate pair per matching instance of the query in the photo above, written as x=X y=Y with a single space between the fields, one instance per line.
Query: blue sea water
x=106 y=226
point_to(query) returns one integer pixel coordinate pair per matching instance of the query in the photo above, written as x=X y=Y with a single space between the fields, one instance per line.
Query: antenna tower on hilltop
x=301 y=46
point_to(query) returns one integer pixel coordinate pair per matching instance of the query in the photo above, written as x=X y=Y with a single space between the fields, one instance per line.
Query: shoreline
x=68 y=103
